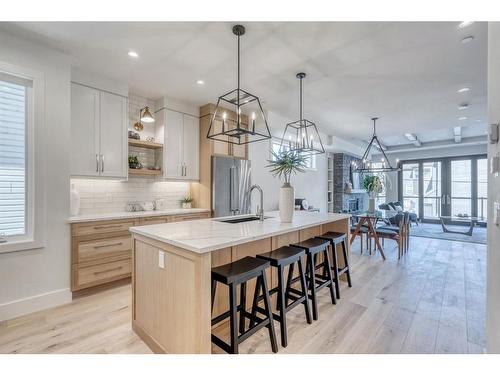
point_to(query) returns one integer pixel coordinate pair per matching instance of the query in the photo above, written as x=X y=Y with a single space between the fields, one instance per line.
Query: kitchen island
x=171 y=280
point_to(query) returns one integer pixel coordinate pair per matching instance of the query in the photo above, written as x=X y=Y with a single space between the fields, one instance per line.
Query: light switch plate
x=496 y=213
x=495 y=165
x=161 y=259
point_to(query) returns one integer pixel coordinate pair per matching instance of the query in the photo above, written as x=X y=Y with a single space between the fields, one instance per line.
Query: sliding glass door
x=410 y=187
x=435 y=188
x=482 y=188
x=432 y=189
x=461 y=188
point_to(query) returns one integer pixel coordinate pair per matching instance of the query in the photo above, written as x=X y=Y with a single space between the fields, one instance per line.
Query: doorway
x=453 y=187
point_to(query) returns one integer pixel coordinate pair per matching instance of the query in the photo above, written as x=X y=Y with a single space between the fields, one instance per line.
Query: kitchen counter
x=171 y=274
x=212 y=234
x=137 y=214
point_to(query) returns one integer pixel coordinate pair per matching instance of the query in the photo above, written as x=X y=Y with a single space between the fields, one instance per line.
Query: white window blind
x=13 y=118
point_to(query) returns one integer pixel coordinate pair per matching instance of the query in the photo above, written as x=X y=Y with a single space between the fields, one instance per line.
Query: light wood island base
x=171 y=306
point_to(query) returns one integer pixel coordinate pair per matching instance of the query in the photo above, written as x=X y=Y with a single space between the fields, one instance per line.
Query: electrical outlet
x=161 y=259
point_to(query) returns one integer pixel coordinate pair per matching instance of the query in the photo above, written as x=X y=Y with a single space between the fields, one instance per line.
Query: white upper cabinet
x=113 y=135
x=98 y=133
x=181 y=147
x=172 y=148
x=84 y=131
x=191 y=149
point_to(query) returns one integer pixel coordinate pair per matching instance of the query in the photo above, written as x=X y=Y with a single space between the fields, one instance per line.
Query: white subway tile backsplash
x=102 y=196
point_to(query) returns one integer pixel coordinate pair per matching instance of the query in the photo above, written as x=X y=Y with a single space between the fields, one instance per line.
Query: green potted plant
x=374 y=186
x=133 y=162
x=186 y=202
x=282 y=165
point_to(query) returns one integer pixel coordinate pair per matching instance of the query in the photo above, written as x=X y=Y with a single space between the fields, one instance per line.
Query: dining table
x=370 y=219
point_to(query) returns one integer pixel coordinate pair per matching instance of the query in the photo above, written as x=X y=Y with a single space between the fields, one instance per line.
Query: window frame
x=34 y=237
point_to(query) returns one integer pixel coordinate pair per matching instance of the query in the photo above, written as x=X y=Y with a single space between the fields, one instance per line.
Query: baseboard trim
x=20 y=307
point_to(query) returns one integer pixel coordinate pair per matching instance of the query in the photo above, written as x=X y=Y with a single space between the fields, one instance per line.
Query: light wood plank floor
x=433 y=301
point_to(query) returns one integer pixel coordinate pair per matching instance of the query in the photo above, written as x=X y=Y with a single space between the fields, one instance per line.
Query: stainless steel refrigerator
x=231 y=184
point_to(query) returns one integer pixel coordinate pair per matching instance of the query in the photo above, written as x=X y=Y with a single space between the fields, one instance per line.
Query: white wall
x=392 y=185
x=493 y=259
x=310 y=185
x=36 y=279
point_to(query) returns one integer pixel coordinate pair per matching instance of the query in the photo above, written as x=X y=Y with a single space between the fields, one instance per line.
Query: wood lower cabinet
x=101 y=251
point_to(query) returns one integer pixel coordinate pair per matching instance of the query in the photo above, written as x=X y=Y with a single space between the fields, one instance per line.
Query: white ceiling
x=407 y=73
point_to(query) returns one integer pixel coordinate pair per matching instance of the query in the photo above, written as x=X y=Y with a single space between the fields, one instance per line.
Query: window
x=22 y=198
x=13 y=108
x=310 y=161
x=381 y=198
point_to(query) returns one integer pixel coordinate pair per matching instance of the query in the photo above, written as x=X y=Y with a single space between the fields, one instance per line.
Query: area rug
x=435 y=231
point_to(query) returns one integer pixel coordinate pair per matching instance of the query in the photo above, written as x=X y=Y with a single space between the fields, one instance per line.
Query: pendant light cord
x=300 y=100
x=238 y=91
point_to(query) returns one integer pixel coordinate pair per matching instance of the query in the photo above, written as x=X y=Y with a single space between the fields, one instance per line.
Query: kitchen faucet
x=260 y=211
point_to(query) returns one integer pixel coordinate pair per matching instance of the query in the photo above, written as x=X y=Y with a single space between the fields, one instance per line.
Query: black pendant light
x=366 y=165
x=302 y=135
x=238 y=117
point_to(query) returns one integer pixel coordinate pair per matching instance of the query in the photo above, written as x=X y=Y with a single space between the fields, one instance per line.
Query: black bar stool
x=232 y=275
x=336 y=238
x=280 y=258
x=314 y=247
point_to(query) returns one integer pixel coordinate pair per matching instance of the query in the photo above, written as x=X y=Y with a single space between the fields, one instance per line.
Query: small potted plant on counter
x=374 y=186
x=282 y=165
x=187 y=202
x=133 y=162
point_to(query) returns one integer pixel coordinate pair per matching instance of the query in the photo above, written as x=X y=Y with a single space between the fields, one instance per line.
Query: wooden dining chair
x=393 y=232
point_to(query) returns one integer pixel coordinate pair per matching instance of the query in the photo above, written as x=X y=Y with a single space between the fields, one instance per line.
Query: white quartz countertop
x=202 y=236
x=128 y=215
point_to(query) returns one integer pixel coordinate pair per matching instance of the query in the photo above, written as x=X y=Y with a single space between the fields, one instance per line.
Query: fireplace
x=354 y=204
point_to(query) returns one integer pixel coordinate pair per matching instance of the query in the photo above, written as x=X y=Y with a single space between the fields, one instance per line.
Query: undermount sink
x=241 y=219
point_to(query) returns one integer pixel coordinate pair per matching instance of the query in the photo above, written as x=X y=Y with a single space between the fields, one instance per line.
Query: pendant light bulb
x=146 y=116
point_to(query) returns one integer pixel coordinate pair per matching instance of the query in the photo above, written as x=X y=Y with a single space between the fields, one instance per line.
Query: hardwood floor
x=432 y=301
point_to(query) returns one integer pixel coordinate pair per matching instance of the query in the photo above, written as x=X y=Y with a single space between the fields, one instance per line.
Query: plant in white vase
x=187 y=202
x=282 y=165
x=374 y=186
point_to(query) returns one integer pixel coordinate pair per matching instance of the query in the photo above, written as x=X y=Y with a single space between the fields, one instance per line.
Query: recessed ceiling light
x=464 y=24
x=133 y=54
x=463 y=106
x=200 y=82
x=463 y=89
x=467 y=39
x=462 y=118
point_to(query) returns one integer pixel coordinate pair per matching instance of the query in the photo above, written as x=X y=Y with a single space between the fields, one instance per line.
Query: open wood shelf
x=144 y=144
x=144 y=172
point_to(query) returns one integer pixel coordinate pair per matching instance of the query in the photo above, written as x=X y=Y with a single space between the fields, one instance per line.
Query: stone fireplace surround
x=341 y=175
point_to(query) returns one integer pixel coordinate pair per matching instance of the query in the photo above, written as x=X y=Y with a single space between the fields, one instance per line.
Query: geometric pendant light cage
x=302 y=136
x=366 y=165
x=238 y=117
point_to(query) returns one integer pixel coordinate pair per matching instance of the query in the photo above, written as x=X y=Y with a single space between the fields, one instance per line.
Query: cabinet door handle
x=108 y=245
x=107 y=226
x=185 y=170
x=102 y=163
x=97 y=163
x=110 y=270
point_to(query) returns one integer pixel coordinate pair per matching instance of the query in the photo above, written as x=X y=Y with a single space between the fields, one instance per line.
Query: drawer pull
x=107 y=226
x=111 y=270
x=108 y=245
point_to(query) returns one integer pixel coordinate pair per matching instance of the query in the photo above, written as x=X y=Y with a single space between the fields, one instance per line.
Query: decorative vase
x=186 y=205
x=74 y=200
x=371 y=205
x=287 y=202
